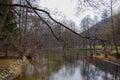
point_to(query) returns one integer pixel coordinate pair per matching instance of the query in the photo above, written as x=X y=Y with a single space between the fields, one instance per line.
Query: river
x=70 y=67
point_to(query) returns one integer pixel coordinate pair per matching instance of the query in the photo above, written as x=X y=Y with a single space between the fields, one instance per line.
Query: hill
x=103 y=29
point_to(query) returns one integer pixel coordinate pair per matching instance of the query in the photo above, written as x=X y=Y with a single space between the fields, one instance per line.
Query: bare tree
x=23 y=22
x=113 y=27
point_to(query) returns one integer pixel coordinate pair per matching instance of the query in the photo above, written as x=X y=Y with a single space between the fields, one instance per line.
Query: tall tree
x=8 y=27
x=85 y=24
x=113 y=27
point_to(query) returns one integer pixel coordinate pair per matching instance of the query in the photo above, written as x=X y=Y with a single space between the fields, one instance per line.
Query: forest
x=35 y=45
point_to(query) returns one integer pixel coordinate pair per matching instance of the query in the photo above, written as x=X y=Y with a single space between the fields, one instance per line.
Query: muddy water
x=59 y=67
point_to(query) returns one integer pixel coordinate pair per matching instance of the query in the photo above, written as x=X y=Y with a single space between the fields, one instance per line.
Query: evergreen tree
x=8 y=29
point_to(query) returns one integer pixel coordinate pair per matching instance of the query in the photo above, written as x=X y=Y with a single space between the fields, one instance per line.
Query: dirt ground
x=6 y=62
x=109 y=57
x=10 y=68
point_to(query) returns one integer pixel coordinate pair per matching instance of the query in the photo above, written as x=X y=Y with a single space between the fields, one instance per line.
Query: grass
x=78 y=51
x=118 y=47
x=98 y=47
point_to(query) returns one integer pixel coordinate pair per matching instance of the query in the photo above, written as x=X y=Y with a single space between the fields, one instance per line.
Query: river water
x=72 y=67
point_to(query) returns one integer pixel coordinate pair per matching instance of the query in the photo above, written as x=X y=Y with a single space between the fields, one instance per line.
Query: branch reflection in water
x=52 y=67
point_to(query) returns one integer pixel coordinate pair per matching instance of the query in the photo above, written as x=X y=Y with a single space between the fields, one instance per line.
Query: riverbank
x=111 y=59
x=10 y=68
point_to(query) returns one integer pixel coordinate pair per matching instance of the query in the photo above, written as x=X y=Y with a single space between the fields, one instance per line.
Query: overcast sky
x=68 y=9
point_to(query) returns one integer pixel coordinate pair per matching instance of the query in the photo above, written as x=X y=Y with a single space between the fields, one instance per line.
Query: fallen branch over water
x=112 y=62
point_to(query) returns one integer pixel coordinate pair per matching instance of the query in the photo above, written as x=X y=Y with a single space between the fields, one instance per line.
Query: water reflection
x=58 y=68
x=67 y=73
x=81 y=72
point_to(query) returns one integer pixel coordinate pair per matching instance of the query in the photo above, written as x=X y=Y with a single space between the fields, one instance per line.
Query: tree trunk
x=113 y=30
x=6 y=52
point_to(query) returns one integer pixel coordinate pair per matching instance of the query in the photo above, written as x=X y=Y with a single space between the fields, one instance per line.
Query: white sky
x=67 y=9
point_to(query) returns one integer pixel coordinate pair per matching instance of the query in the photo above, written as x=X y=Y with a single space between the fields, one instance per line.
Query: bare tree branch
x=43 y=21
x=34 y=8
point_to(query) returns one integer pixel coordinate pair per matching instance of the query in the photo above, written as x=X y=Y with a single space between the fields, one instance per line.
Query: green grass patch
x=118 y=47
x=78 y=51
x=98 y=47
